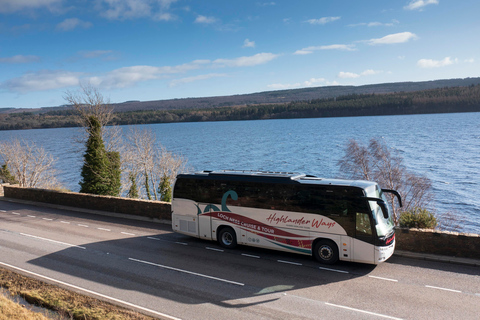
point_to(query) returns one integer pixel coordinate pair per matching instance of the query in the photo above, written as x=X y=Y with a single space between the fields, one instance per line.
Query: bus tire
x=227 y=238
x=325 y=251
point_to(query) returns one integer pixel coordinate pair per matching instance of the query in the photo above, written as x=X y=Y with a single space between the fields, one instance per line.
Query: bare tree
x=31 y=166
x=148 y=162
x=376 y=162
x=88 y=102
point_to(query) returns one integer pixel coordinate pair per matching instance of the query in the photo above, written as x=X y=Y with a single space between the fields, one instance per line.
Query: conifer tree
x=133 y=191
x=101 y=169
x=165 y=189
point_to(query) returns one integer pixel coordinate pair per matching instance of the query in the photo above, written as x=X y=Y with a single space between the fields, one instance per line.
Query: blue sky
x=164 y=49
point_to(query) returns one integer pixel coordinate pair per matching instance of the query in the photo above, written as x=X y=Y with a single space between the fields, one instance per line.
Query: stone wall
x=443 y=243
x=144 y=208
x=413 y=240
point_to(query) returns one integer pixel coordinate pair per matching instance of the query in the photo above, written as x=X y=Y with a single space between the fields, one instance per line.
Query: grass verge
x=11 y=310
x=70 y=304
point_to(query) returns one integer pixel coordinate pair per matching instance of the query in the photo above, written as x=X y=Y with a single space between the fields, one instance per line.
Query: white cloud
x=248 y=44
x=204 y=19
x=419 y=4
x=429 y=63
x=323 y=20
x=181 y=81
x=42 y=80
x=374 y=24
x=309 y=50
x=259 y=58
x=393 y=38
x=72 y=23
x=351 y=75
x=469 y=60
x=20 y=59
x=126 y=76
x=8 y=6
x=348 y=75
x=133 y=9
x=266 y=4
x=307 y=83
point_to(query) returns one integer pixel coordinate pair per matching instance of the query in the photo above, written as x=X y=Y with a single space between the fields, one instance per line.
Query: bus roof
x=272 y=176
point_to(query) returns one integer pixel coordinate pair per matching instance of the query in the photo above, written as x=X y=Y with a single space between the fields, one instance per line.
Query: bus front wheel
x=326 y=251
x=227 y=238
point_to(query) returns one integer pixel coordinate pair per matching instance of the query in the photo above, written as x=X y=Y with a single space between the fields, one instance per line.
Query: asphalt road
x=147 y=267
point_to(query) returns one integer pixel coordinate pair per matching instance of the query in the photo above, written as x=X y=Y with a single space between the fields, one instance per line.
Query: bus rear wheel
x=326 y=252
x=227 y=238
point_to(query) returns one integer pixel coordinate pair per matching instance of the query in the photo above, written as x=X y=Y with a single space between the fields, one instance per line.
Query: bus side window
x=363 y=227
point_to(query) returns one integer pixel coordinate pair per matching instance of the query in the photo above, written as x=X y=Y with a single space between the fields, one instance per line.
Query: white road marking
x=82 y=225
x=334 y=270
x=3 y=211
x=54 y=241
x=250 y=256
x=289 y=262
x=16 y=213
x=30 y=216
x=65 y=222
x=103 y=229
x=48 y=219
x=362 y=311
x=92 y=292
x=182 y=243
x=445 y=289
x=386 y=279
x=188 y=272
x=128 y=233
x=214 y=249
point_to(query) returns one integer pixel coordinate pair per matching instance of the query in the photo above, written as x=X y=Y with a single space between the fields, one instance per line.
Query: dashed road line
x=362 y=311
x=289 y=262
x=128 y=233
x=48 y=219
x=103 y=229
x=66 y=222
x=386 y=279
x=30 y=216
x=3 y=211
x=214 y=249
x=187 y=272
x=444 y=289
x=83 y=225
x=16 y=213
x=54 y=241
x=334 y=270
x=250 y=256
x=182 y=243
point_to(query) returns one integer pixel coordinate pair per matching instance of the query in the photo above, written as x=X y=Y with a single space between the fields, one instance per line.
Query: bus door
x=205 y=224
x=363 y=243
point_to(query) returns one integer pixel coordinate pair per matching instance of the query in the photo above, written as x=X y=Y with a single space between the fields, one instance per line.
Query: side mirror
x=382 y=204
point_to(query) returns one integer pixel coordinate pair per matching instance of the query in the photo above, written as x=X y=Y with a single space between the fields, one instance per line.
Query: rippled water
x=444 y=147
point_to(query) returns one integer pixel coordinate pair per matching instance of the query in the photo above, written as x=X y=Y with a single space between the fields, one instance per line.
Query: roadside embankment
x=434 y=242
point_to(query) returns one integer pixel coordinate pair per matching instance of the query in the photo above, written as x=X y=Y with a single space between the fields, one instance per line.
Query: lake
x=444 y=147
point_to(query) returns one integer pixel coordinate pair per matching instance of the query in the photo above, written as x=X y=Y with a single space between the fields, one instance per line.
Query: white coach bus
x=330 y=219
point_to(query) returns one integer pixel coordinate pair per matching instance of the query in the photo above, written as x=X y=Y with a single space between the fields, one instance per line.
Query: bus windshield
x=383 y=226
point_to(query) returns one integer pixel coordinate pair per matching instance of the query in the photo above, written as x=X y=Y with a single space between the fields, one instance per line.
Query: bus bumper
x=384 y=252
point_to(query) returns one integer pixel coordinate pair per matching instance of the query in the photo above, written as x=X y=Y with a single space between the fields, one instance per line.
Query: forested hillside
x=442 y=100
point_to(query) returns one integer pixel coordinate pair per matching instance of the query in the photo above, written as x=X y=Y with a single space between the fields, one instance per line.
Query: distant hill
x=269 y=97
x=339 y=101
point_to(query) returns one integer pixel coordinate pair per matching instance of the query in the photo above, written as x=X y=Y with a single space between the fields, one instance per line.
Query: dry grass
x=70 y=304
x=11 y=310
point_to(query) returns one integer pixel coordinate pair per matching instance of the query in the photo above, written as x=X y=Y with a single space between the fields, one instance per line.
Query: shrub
x=418 y=218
